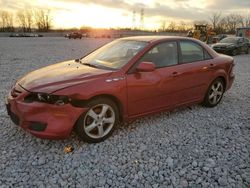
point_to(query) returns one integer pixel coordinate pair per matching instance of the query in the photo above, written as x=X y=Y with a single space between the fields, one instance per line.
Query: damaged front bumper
x=41 y=119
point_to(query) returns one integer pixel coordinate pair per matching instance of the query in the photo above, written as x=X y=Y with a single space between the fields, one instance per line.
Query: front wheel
x=99 y=122
x=214 y=93
x=234 y=52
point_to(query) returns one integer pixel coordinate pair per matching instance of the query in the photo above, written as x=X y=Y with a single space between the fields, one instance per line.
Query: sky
x=119 y=13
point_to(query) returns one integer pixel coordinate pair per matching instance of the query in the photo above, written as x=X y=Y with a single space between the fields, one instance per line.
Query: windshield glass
x=229 y=40
x=115 y=54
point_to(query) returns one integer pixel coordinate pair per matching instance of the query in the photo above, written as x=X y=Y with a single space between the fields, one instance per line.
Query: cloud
x=159 y=9
x=183 y=9
x=229 y=4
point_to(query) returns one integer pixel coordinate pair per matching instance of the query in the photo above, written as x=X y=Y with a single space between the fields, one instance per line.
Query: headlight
x=47 y=98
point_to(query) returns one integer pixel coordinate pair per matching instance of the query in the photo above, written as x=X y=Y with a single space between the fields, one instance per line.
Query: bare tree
x=245 y=20
x=172 y=26
x=29 y=19
x=215 y=19
x=182 y=26
x=231 y=22
x=21 y=18
x=6 y=21
x=43 y=20
x=163 y=25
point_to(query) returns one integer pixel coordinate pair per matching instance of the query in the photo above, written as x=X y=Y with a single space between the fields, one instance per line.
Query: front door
x=151 y=91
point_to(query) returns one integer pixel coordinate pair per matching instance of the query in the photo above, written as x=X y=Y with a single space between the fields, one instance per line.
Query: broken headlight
x=47 y=98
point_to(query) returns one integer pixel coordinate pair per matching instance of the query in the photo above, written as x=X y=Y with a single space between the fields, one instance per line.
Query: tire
x=247 y=51
x=99 y=122
x=234 y=52
x=214 y=93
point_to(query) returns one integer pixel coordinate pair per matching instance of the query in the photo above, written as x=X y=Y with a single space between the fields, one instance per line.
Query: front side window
x=162 y=55
x=115 y=54
x=229 y=40
x=191 y=52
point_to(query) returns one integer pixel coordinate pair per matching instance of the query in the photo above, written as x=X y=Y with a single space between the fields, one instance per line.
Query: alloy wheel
x=99 y=121
x=216 y=92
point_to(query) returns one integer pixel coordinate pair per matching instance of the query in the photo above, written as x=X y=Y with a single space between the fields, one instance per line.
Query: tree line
x=228 y=23
x=26 y=20
x=41 y=20
x=218 y=22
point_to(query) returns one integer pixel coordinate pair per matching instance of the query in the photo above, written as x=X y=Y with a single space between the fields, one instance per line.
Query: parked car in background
x=125 y=79
x=222 y=36
x=232 y=46
x=74 y=35
x=25 y=35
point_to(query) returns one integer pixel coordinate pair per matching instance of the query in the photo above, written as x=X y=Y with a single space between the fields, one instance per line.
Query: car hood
x=223 y=44
x=59 y=76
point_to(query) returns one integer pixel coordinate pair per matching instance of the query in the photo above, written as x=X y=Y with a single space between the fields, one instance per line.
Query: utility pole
x=133 y=20
x=142 y=19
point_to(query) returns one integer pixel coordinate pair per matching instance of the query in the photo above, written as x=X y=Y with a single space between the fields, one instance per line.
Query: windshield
x=115 y=54
x=229 y=40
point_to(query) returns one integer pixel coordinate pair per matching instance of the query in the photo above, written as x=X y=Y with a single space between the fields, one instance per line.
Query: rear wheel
x=247 y=51
x=99 y=121
x=214 y=93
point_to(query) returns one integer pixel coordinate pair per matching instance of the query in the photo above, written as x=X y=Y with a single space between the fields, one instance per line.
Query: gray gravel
x=188 y=147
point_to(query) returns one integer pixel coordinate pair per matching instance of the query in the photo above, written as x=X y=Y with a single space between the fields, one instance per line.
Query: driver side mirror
x=145 y=67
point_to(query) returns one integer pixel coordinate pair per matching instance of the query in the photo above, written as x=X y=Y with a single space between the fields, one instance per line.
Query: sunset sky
x=119 y=13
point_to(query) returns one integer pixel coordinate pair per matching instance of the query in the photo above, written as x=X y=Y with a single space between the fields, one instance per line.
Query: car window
x=162 y=55
x=115 y=54
x=191 y=52
x=240 y=40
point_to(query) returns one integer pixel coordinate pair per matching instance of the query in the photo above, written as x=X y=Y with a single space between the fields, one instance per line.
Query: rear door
x=193 y=73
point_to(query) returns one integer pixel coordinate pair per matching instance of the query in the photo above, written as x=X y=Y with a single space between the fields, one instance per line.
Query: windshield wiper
x=93 y=65
x=90 y=65
x=87 y=64
x=77 y=60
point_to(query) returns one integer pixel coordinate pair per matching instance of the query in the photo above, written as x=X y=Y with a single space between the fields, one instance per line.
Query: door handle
x=174 y=74
x=211 y=66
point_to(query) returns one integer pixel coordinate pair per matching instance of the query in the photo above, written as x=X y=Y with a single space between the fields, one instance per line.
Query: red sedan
x=127 y=78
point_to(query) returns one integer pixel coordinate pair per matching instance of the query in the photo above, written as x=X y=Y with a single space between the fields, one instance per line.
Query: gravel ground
x=188 y=147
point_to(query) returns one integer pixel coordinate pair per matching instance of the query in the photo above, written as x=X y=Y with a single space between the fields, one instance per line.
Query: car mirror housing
x=145 y=67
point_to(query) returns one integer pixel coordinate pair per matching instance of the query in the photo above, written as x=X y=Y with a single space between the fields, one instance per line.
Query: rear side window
x=191 y=52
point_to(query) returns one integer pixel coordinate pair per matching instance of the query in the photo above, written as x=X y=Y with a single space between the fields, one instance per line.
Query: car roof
x=152 y=38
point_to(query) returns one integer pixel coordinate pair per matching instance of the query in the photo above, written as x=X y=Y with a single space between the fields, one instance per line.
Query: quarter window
x=191 y=52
